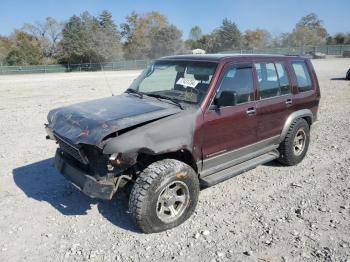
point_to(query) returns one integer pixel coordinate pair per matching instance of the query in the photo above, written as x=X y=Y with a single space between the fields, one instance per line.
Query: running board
x=233 y=171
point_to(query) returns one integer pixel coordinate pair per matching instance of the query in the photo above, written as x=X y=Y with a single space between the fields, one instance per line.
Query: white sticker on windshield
x=187 y=82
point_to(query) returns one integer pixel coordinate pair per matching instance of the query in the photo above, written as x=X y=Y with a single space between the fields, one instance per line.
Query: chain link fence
x=141 y=64
x=84 y=67
x=336 y=50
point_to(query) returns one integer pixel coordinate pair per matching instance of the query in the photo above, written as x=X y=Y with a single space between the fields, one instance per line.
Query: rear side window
x=303 y=76
x=273 y=79
x=238 y=79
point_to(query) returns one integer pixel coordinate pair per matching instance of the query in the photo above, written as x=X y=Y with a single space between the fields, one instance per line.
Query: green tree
x=141 y=32
x=91 y=34
x=227 y=36
x=195 y=33
x=73 y=44
x=341 y=38
x=207 y=43
x=106 y=20
x=25 y=50
x=5 y=46
x=90 y=39
x=193 y=38
x=166 y=41
x=108 y=38
x=312 y=22
x=308 y=31
x=257 y=38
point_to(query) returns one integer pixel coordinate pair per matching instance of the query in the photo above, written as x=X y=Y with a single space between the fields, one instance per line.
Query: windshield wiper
x=167 y=98
x=133 y=91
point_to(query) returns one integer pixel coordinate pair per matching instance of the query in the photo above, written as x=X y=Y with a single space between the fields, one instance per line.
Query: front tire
x=164 y=195
x=296 y=143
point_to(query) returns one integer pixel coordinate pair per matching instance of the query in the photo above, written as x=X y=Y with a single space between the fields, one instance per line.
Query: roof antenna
x=105 y=77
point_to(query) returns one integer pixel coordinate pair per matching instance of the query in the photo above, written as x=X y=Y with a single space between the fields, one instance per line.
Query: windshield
x=185 y=81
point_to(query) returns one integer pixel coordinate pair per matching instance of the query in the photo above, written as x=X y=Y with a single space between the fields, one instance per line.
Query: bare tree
x=49 y=33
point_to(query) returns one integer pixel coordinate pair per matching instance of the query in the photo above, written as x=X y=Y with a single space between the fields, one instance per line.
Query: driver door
x=229 y=128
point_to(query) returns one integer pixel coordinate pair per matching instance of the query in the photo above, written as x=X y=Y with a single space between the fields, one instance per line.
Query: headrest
x=201 y=77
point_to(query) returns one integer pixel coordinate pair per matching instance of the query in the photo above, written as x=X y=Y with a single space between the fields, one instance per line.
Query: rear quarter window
x=302 y=75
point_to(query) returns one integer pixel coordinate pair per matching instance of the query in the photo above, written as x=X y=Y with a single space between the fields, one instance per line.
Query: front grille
x=70 y=149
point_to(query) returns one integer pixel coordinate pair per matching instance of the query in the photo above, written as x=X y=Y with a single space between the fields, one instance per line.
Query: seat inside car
x=201 y=87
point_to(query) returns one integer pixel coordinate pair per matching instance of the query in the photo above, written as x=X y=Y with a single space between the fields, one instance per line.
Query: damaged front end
x=82 y=131
x=96 y=174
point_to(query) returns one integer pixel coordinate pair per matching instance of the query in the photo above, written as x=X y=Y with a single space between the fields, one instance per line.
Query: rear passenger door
x=274 y=98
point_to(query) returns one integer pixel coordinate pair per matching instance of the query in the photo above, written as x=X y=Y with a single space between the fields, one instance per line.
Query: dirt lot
x=270 y=213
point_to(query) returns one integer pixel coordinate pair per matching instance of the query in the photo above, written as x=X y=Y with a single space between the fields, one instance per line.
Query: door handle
x=251 y=110
x=289 y=101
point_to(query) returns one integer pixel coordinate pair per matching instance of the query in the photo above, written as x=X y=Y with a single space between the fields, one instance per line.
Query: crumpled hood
x=89 y=122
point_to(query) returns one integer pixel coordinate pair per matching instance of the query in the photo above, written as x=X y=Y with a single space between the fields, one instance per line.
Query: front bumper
x=81 y=179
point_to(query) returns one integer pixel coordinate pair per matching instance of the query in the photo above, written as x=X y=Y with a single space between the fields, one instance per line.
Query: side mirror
x=226 y=98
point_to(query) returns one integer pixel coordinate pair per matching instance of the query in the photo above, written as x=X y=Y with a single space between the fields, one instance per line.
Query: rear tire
x=164 y=195
x=296 y=143
x=348 y=75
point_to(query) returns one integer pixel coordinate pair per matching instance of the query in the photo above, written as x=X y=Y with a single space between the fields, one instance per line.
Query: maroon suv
x=187 y=122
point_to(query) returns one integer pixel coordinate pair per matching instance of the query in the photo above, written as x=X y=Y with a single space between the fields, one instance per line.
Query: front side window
x=237 y=81
x=273 y=79
x=185 y=81
x=302 y=75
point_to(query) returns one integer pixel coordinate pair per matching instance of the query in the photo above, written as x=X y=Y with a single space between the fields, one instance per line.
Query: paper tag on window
x=187 y=82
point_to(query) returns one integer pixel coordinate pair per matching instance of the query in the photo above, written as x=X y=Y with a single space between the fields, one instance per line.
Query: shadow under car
x=41 y=181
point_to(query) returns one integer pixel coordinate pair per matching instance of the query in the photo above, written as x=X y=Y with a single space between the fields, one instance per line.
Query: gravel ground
x=271 y=213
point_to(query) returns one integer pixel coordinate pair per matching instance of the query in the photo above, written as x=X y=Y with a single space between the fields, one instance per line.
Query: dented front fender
x=165 y=135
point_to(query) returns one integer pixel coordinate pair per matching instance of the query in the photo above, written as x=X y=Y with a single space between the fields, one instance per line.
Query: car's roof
x=218 y=57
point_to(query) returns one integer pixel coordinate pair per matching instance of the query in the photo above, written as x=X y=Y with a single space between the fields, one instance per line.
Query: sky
x=276 y=16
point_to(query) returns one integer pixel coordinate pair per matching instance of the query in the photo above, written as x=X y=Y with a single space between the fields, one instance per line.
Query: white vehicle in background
x=198 y=51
